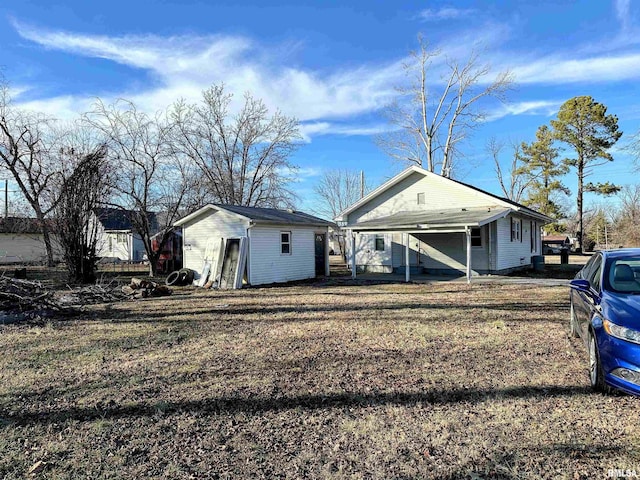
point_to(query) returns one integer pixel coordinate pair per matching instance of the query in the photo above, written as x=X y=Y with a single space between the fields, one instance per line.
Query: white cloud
x=309 y=130
x=444 y=13
x=184 y=66
x=563 y=69
x=534 y=107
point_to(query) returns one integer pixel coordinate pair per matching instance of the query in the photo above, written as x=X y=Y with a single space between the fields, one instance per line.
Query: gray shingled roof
x=435 y=218
x=275 y=216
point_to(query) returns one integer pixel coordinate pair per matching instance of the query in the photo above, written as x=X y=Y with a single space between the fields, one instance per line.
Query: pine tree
x=584 y=125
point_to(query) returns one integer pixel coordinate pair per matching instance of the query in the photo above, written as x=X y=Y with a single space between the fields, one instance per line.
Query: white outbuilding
x=230 y=245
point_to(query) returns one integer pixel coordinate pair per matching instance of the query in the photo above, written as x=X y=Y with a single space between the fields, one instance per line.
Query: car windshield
x=623 y=275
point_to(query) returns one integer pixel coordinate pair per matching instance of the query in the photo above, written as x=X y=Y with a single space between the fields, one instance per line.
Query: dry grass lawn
x=441 y=381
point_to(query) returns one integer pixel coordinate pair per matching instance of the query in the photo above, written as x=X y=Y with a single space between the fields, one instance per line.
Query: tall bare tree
x=27 y=153
x=153 y=184
x=245 y=158
x=438 y=107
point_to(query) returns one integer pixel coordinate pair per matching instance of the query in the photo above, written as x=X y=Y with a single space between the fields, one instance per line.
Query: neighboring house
x=21 y=241
x=448 y=226
x=116 y=237
x=554 y=243
x=281 y=245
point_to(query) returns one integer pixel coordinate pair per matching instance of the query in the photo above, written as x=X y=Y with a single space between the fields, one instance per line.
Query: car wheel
x=596 y=374
x=573 y=325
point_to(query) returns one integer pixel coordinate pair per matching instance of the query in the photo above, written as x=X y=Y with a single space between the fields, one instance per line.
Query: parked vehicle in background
x=605 y=313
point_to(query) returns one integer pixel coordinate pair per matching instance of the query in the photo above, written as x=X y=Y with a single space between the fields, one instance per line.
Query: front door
x=320 y=248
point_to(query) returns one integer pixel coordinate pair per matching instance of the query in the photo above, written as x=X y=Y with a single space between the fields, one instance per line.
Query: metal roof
x=434 y=219
x=116 y=219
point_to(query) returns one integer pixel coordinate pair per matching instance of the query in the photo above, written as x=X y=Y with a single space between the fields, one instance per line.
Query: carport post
x=468 y=232
x=407 y=270
x=353 y=253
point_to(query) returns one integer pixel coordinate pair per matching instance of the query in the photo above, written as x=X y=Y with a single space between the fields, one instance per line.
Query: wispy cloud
x=534 y=107
x=565 y=69
x=444 y=13
x=623 y=13
x=184 y=66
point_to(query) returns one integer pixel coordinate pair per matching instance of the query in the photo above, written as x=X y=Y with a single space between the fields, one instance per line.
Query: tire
x=573 y=325
x=186 y=276
x=172 y=279
x=596 y=374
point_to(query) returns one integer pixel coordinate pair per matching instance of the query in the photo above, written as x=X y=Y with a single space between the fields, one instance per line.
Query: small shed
x=256 y=246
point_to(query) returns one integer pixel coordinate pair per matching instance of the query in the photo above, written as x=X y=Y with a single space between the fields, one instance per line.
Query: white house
x=116 y=236
x=21 y=241
x=419 y=221
x=281 y=245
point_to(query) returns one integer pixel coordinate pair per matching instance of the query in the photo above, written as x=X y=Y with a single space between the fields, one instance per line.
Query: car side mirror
x=580 y=285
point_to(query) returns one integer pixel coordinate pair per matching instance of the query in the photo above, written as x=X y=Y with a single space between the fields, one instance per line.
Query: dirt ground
x=441 y=381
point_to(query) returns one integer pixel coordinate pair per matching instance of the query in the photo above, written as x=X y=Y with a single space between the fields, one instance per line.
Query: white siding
x=366 y=253
x=439 y=193
x=211 y=226
x=442 y=251
x=27 y=248
x=268 y=265
x=131 y=249
x=513 y=254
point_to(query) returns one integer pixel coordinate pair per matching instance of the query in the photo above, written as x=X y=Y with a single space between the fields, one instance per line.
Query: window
x=379 y=243
x=110 y=243
x=476 y=237
x=594 y=275
x=421 y=199
x=533 y=226
x=285 y=243
x=121 y=237
x=516 y=230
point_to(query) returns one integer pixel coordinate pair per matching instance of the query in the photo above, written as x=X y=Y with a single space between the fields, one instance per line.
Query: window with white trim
x=421 y=199
x=285 y=243
x=121 y=237
x=516 y=230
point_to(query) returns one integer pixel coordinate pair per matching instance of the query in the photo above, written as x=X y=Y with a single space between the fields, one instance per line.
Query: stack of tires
x=180 y=277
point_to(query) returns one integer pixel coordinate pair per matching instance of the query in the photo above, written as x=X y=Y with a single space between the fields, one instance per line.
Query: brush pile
x=28 y=299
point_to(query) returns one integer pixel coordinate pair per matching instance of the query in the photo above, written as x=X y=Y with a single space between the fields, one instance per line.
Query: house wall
x=515 y=254
x=268 y=265
x=206 y=228
x=130 y=250
x=25 y=248
x=403 y=196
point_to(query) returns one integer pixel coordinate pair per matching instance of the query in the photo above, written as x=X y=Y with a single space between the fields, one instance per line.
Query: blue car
x=605 y=313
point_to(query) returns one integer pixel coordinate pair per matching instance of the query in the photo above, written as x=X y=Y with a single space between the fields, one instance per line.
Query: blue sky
x=333 y=65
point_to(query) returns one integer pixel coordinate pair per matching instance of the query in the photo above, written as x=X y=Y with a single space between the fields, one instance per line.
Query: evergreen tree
x=584 y=125
x=539 y=161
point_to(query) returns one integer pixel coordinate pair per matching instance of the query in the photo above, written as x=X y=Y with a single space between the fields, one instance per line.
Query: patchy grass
x=441 y=381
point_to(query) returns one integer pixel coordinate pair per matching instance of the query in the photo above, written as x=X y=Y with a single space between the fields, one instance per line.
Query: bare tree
x=245 y=158
x=433 y=114
x=514 y=182
x=77 y=230
x=26 y=148
x=153 y=183
x=337 y=190
x=628 y=216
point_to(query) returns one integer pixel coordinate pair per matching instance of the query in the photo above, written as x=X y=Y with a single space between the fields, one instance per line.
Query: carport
x=449 y=221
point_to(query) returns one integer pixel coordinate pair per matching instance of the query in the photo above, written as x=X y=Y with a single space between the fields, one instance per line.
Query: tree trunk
x=579 y=194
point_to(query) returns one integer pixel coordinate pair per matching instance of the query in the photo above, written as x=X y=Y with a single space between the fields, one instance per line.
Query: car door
x=583 y=301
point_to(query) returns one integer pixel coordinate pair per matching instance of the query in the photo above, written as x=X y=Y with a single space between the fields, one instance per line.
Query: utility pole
x=361 y=183
x=6 y=198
